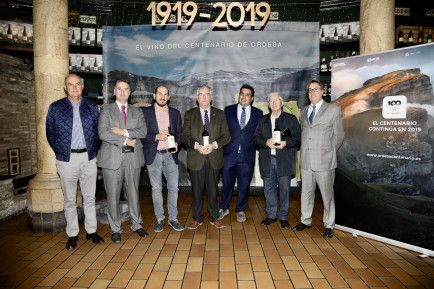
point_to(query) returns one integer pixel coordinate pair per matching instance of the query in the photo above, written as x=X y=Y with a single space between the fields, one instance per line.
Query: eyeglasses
x=316 y=89
x=204 y=94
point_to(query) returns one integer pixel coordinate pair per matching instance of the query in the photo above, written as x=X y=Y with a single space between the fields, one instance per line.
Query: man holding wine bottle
x=205 y=133
x=277 y=138
x=160 y=148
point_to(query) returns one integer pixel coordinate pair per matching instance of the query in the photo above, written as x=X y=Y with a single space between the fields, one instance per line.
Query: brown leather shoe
x=217 y=223
x=194 y=225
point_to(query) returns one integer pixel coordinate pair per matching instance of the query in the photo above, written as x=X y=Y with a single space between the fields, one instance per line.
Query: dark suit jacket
x=244 y=138
x=285 y=157
x=192 y=132
x=149 y=142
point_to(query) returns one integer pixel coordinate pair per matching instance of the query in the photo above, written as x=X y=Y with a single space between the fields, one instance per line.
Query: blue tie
x=312 y=114
x=243 y=118
x=206 y=119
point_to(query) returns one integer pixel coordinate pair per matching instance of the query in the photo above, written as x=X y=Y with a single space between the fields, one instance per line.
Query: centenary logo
x=395 y=106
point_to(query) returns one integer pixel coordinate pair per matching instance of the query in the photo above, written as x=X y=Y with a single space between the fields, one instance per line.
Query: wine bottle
x=330 y=63
x=410 y=37
x=82 y=65
x=95 y=65
x=400 y=36
x=323 y=66
x=73 y=40
x=420 y=35
x=349 y=34
x=205 y=136
x=88 y=38
x=429 y=38
x=322 y=35
x=9 y=33
x=171 y=140
x=276 y=133
x=335 y=35
x=24 y=34
x=70 y=63
x=324 y=93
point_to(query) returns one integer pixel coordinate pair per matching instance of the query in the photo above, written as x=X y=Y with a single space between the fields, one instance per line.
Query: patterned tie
x=206 y=119
x=312 y=114
x=124 y=115
x=243 y=118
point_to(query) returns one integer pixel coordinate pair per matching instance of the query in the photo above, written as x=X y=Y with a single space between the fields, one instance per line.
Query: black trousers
x=205 y=179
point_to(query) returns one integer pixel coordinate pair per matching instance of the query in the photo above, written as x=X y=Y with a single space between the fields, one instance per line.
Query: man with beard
x=161 y=157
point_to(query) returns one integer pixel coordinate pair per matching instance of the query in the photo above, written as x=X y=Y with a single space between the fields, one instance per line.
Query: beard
x=161 y=104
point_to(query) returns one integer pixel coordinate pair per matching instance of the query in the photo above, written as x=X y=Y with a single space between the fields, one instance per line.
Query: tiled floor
x=240 y=256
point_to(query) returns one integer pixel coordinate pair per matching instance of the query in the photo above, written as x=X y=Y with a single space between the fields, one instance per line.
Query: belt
x=79 y=151
x=162 y=151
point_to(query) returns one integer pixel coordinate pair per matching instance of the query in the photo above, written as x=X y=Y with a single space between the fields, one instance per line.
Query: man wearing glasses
x=322 y=135
x=205 y=133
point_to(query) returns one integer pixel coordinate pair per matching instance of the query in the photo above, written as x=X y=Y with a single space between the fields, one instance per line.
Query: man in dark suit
x=322 y=135
x=161 y=119
x=204 y=161
x=277 y=160
x=72 y=132
x=239 y=154
x=121 y=157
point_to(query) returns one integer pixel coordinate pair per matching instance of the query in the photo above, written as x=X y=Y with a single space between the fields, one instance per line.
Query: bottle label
x=171 y=141
x=205 y=140
x=276 y=136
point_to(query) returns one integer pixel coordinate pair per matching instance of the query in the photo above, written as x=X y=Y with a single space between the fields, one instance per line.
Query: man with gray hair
x=72 y=132
x=277 y=158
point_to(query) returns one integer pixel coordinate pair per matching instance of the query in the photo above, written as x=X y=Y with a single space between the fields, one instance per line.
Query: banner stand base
x=425 y=253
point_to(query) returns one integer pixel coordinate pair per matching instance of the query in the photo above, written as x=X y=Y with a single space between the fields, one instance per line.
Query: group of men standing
x=216 y=142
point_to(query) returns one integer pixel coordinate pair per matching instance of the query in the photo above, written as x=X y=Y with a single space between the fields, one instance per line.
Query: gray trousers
x=78 y=169
x=113 y=185
x=325 y=181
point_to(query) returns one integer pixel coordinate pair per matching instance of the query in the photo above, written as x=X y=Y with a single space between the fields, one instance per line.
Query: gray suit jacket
x=110 y=154
x=321 y=139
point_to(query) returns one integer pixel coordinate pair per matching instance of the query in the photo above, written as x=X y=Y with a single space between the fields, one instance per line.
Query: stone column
x=377 y=25
x=50 y=48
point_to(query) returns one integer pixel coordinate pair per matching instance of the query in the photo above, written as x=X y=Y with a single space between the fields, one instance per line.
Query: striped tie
x=312 y=114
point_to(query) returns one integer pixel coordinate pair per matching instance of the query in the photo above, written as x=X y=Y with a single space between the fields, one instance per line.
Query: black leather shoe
x=267 y=221
x=116 y=238
x=95 y=238
x=71 y=243
x=328 y=232
x=141 y=232
x=284 y=224
x=300 y=227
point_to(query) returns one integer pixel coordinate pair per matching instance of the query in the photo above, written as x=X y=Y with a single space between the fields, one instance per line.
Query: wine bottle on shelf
x=349 y=34
x=322 y=35
x=70 y=63
x=9 y=32
x=420 y=35
x=400 y=36
x=25 y=34
x=326 y=88
x=335 y=35
x=88 y=38
x=276 y=137
x=323 y=66
x=429 y=38
x=95 y=65
x=171 y=141
x=82 y=65
x=73 y=39
x=410 y=37
x=205 y=136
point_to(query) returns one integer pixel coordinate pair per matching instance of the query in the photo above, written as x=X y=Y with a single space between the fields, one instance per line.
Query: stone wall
x=17 y=113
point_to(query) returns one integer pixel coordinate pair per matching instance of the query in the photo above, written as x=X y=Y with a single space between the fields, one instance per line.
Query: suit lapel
x=320 y=112
x=116 y=112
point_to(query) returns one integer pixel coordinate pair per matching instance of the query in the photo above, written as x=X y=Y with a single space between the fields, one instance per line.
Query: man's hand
x=281 y=145
x=270 y=143
x=118 y=131
x=202 y=149
x=161 y=136
x=131 y=142
x=176 y=148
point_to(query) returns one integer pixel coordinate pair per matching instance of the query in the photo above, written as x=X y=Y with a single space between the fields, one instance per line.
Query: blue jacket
x=244 y=138
x=59 y=127
x=149 y=142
